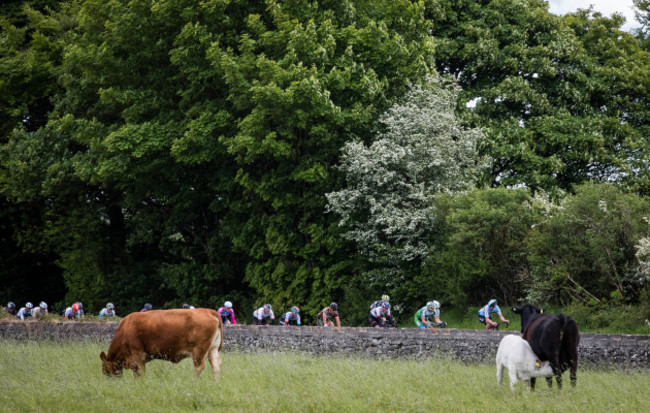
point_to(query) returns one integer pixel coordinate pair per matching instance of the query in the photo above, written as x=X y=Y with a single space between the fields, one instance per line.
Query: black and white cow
x=552 y=337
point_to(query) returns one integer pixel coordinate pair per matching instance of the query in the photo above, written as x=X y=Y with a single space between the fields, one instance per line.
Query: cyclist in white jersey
x=262 y=315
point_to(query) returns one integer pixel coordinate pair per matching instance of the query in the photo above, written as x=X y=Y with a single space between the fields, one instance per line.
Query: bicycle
x=435 y=326
x=497 y=326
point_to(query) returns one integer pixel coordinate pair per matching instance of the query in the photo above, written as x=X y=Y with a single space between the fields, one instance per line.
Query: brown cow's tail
x=217 y=317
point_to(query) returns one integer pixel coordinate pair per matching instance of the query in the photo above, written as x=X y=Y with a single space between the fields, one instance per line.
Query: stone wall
x=606 y=350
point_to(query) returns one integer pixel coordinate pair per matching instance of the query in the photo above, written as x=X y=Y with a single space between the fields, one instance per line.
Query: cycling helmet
x=43 y=305
x=430 y=306
x=492 y=302
x=75 y=307
x=334 y=306
x=436 y=304
x=385 y=305
x=295 y=309
x=227 y=304
x=267 y=307
x=110 y=306
x=186 y=306
x=385 y=298
x=29 y=305
x=148 y=307
x=11 y=304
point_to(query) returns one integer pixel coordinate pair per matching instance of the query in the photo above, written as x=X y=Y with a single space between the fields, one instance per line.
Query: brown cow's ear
x=102 y=356
x=516 y=310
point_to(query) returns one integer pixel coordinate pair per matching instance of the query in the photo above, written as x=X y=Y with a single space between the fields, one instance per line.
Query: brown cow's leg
x=198 y=356
x=199 y=365
x=215 y=361
x=138 y=367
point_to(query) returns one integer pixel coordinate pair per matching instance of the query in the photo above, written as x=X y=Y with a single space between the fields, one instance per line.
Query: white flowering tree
x=423 y=150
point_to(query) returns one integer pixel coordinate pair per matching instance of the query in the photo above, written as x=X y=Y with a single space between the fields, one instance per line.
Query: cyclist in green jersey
x=421 y=318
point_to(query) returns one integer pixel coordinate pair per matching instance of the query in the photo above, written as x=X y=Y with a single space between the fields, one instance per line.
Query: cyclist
x=293 y=315
x=384 y=299
x=76 y=311
x=422 y=315
x=262 y=314
x=327 y=314
x=25 y=311
x=40 y=310
x=147 y=307
x=186 y=306
x=11 y=308
x=484 y=315
x=379 y=315
x=108 y=311
x=227 y=311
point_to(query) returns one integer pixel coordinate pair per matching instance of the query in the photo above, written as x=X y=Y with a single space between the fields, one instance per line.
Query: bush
x=610 y=319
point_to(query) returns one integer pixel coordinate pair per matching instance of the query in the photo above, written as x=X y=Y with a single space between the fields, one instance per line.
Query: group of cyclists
x=27 y=311
x=75 y=311
x=379 y=315
x=327 y=317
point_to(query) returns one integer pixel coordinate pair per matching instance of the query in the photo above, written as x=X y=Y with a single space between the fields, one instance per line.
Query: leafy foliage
x=182 y=151
x=585 y=249
x=563 y=100
x=483 y=254
x=423 y=150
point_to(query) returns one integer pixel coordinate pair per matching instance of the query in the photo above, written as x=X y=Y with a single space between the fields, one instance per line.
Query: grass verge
x=55 y=377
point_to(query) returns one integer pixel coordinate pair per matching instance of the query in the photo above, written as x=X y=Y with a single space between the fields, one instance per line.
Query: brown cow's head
x=110 y=368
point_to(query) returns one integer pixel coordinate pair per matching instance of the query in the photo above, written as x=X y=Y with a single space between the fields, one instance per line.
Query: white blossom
x=423 y=150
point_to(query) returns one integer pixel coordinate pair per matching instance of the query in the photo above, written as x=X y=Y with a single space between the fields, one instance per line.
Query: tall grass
x=53 y=377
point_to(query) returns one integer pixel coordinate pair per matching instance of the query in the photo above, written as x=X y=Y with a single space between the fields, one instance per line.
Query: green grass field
x=54 y=377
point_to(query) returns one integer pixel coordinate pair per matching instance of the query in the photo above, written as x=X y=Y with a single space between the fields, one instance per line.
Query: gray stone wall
x=603 y=350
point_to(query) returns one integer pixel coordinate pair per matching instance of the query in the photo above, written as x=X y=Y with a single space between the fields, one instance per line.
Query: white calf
x=515 y=354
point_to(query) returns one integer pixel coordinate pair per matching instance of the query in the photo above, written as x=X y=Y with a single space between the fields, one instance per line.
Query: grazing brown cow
x=166 y=335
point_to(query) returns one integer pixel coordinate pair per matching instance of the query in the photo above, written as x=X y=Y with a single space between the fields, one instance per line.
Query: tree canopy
x=183 y=151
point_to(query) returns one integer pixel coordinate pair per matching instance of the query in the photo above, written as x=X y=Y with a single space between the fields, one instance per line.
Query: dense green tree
x=642 y=15
x=586 y=248
x=31 y=45
x=192 y=144
x=482 y=253
x=563 y=100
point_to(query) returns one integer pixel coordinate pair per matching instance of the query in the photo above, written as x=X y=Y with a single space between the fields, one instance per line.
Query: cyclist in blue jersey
x=485 y=313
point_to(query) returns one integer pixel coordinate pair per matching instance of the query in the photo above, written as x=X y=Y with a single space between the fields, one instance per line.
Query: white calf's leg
x=499 y=373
